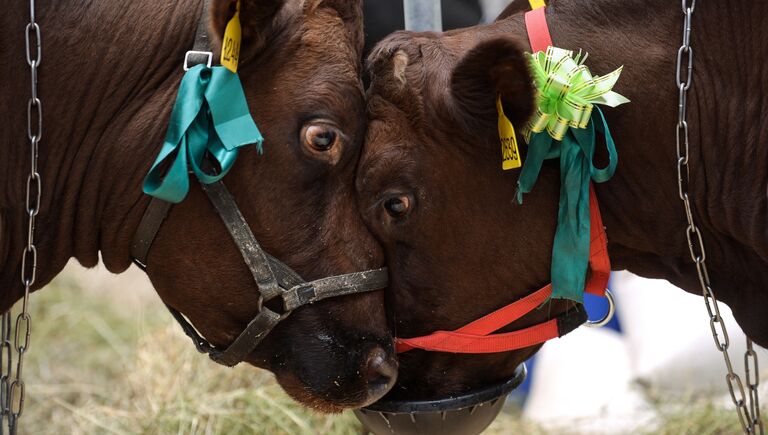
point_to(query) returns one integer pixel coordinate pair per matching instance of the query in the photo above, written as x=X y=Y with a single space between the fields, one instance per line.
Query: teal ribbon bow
x=564 y=127
x=210 y=117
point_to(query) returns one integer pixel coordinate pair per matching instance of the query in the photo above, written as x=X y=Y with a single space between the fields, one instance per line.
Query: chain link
x=748 y=411
x=12 y=387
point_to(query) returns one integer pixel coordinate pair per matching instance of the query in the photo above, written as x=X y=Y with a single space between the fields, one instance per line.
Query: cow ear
x=493 y=68
x=256 y=17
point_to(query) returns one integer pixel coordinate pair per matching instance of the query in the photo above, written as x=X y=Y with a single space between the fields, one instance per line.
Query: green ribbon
x=567 y=91
x=210 y=118
x=564 y=127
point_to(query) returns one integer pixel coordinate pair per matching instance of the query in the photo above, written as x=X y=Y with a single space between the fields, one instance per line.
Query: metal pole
x=492 y=9
x=423 y=15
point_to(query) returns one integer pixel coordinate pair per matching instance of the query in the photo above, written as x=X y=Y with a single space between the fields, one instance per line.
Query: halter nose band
x=273 y=278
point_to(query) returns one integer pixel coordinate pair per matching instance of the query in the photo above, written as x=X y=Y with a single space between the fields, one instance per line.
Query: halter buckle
x=299 y=295
x=207 y=54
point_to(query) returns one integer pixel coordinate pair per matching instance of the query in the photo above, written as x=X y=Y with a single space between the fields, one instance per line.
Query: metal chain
x=12 y=388
x=749 y=416
x=6 y=364
x=751 y=366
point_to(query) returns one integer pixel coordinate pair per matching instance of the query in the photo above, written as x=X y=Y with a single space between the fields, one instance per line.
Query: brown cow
x=108 y=80
x=432 y=189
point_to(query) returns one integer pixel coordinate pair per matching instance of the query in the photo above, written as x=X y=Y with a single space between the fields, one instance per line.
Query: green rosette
x=564 y=127
x=567 y=92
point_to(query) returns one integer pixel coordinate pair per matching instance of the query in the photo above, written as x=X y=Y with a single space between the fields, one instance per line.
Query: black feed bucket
x=468 y=414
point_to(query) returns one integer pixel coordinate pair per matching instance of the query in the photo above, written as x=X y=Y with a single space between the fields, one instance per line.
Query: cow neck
x=478 y=337
x=638 y=214
x=103 y=91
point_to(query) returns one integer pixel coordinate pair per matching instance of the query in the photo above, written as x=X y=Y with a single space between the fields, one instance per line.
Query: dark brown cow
x=108 y=80
x=432 y=189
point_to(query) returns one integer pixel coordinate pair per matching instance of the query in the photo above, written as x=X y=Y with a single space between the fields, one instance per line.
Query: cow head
x=432 y=190
x=300 y=69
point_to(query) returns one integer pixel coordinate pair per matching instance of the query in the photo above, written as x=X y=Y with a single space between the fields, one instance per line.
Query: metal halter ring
x=608 y=316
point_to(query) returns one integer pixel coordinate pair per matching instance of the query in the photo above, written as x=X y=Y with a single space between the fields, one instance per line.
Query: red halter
x=477 y=337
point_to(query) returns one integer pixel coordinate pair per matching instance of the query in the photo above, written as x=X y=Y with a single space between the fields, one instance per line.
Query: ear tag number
x=510 y=155
x=230 y=49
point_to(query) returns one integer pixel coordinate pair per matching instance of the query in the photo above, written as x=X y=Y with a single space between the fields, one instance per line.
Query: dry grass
x=695 y=417
x=106 y=358
x=105 y=362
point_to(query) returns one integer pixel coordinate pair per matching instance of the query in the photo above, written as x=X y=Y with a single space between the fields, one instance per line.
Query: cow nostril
x=381 y=373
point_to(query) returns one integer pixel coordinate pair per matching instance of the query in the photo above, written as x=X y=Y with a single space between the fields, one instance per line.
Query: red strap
x=486 y=324
x=454 y=342
x=599 y=262
x=504 y=316
x=538 y=32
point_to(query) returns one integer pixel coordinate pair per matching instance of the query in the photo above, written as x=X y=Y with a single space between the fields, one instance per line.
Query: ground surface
x=106 y=358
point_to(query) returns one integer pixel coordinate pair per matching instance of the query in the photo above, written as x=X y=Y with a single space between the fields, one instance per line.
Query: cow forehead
x=392 y=124
x=390 y=146
x=329 y=39
x=388 y=132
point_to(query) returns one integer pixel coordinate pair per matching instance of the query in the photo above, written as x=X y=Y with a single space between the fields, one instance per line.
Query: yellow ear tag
x=230 y=48
x=535 y=4
x=509 y=154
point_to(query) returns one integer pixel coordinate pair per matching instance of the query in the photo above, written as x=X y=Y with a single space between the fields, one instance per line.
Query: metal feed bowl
x=468 y=414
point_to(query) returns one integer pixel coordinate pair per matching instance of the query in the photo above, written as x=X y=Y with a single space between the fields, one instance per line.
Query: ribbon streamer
x=564 y=127
x=210 y=118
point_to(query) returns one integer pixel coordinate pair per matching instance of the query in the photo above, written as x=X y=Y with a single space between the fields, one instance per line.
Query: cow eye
x=320 y=137
x=398 y=206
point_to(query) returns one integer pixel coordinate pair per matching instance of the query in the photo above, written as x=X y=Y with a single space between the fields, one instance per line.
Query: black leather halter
x=273 y=278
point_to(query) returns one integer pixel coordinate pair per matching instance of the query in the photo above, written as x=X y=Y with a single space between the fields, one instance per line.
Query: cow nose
x=381 y=374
